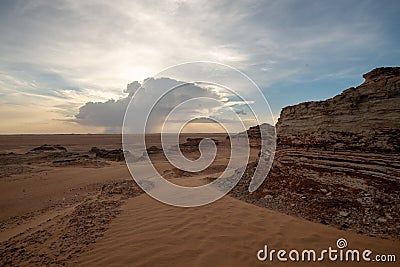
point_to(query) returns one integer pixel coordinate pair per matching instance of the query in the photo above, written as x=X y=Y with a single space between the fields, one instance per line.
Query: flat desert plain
x=63 y=205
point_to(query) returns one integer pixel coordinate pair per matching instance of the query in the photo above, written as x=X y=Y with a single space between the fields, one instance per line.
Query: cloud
x=143 y=95
x=86 y=51
x=108 y=114
x=202 y=120
x=241 y=112
x=169 y=103
x=103 y=45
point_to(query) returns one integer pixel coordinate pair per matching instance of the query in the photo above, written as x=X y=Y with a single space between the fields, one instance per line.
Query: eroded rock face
x=338 y=161
x=364 y=118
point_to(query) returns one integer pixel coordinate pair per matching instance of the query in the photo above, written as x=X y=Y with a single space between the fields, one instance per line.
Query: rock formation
x=365 y=118
x=192 y=144
x=154 y=150
x=338 y=161
x=49 y=148
x=254 y=135
x=114 y=154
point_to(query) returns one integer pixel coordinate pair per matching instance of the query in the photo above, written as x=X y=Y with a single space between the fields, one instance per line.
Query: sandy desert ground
x=73 y=208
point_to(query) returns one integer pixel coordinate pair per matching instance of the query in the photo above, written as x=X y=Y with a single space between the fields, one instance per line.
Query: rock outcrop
x=49 y=148
x=365 y=118
x=192 y=144
x=254 y=135
x=114 y=154
x=338 y=161
x=154 y=150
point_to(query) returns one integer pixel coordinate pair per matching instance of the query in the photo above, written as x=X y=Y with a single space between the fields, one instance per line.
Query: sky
x=65 y=66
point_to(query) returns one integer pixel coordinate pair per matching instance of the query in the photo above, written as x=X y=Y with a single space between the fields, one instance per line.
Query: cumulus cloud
x=110 y=113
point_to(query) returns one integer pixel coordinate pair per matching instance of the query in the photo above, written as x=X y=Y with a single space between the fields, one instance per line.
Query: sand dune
x=228 y=232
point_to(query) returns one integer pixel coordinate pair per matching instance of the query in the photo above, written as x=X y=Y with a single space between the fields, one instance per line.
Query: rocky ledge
x=338 y=161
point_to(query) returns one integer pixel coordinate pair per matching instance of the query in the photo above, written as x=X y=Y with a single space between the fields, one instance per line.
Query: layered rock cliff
x=365 y=118
x=338 y=161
